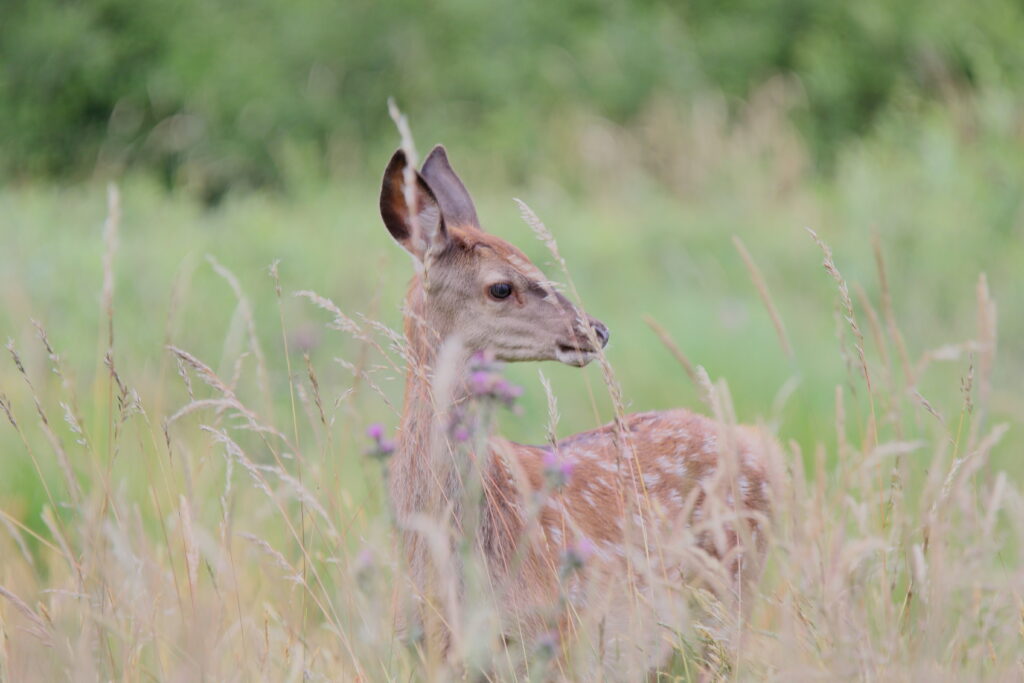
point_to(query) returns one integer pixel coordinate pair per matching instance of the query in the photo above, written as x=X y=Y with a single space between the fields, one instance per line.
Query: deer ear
x=456 y=204
x=420 y=229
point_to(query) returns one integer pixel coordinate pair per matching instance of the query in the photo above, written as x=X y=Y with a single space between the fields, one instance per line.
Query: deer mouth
x=572 y=354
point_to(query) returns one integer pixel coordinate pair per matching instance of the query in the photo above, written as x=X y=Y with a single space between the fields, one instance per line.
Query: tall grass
x=227 y=520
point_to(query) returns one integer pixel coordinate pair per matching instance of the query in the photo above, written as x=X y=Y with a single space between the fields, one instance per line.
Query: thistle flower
x=480 y=382
x=364 y=561
x=506 y=391
x=575 y=556
x=482 y=360
x=486 y=382
x=557 y=470
x=547 y=645
x=382 y=447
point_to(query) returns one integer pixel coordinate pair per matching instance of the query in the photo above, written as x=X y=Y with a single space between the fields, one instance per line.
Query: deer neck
x=424 y=471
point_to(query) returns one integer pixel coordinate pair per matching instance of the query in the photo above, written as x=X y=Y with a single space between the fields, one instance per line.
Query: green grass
x=944 y=208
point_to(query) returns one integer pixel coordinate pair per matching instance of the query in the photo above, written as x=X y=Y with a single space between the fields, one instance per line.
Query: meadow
x=185 y=489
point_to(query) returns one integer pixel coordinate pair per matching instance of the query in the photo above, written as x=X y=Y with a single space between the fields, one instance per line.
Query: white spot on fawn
x=613 y=548
x=673 y=466
x=744 y=485
x=638 y=520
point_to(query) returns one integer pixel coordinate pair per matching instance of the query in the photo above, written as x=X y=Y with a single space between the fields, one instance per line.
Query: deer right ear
x=456 y=204
x=411 y=212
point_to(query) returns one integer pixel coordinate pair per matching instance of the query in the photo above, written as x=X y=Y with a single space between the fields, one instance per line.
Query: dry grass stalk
x=986 y=336
x=847 y=306
x=70 y=478
x=188 y=539
x=245 y=310
x=110 y=230
x=762 y=290
x=553 y=416
x=674 y=349
x=890 y=315
x=37 y=626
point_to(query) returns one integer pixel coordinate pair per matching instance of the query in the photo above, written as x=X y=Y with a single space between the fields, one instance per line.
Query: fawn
x=655 y=500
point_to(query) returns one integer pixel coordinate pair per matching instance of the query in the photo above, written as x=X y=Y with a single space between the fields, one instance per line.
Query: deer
x=590 y=553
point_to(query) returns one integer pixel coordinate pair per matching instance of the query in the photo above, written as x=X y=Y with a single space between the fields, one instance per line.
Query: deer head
x=471 y=284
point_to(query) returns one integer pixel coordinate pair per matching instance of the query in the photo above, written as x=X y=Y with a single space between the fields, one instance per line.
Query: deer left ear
x=410 y=210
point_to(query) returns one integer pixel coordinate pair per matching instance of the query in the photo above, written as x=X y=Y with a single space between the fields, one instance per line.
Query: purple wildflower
x=547 y=645
x=575 y=557
x=364 y=564
x=481 y=382
x=482 y=360
x=557 y=470
x=382 y=446
x=364 y=560
x=485 y=380
x=584 y=548
x=506 y=391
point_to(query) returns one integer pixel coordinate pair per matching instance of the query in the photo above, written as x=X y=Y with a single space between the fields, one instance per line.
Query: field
x=185 y=491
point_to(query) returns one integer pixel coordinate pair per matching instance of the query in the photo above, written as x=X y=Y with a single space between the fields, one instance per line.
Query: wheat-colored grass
x=230 y=536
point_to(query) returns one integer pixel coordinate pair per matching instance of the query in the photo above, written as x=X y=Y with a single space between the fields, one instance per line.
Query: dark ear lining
x=429 y=231
x=392 y=199
x=456 y=204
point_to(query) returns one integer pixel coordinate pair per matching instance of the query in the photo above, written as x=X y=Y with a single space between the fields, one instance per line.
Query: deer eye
x=500 y=290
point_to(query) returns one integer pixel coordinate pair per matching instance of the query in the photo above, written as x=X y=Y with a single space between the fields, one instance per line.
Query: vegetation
x=215 y=94
x=187 y=488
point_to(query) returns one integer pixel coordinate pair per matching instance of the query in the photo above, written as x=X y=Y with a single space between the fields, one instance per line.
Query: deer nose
x=601 y=331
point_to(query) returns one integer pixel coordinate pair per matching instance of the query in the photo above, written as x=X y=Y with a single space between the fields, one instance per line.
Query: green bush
x=210 y=93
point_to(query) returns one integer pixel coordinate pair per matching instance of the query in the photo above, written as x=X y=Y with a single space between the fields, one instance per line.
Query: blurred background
x=645 y=134
x=215 y=96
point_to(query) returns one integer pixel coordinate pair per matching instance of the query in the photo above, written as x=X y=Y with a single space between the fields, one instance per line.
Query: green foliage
x=211 y=94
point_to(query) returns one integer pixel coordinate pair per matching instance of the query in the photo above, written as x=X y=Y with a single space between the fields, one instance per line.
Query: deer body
x=639 y=486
